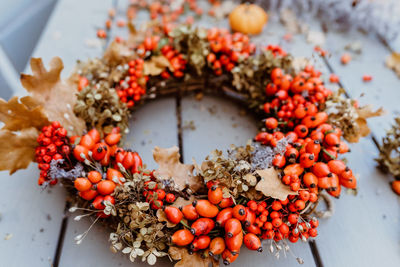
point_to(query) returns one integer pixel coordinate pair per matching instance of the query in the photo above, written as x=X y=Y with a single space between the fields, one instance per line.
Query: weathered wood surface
x=363 y=231
x=31 y=218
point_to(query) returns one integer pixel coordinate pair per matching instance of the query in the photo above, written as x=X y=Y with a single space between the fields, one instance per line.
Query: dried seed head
x=78 y=218
x=72 y=209
x=78 y=237
x=300 y=260
x=271 y=248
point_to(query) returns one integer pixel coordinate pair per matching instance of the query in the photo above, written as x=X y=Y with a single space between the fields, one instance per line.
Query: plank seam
x=64 y=223
x=330 y=68
x=61 y=236
x=315 y=252
x=178 y=107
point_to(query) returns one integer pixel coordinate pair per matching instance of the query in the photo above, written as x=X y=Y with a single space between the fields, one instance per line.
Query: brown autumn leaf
x=156 y=65
x=21 y=113
x=190 y=260
x=169 y=167
x=116 y=53
x=17 y=149
x=364 y=113
x=55 y=95
x=393 y=62
x=271 y=186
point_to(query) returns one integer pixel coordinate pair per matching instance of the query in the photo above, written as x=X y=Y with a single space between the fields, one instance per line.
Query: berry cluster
x=178 y=63
x=227 y=49
x=281 y=219
x=150 y=43
x=232 y=225
x=162 y=9
x=155 y=196
x=276 y=50
x=133 y=86
x=295 y=97
x=94 y=151
x=53 y=145
x=215 y=217
x=310 y=160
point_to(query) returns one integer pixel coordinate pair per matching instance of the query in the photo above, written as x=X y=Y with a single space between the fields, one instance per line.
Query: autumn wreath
x=267 y=189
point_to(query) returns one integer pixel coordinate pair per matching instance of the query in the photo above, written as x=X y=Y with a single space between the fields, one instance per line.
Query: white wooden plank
x=152 y=125
x=382 y=90
x=71 y=33
x=32 y=217
x=218 y=123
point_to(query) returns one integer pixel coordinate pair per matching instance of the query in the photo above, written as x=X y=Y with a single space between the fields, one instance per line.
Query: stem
x=185 y=224
x=329 y=154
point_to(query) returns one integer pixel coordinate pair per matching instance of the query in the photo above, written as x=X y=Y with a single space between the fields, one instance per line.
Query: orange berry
x=113 y=138
x=182 y=237
x=105 y=187
x=217 y=246
x=94 y=177
x=88 y=195
x=396 y=186
x=346 y=58
x=174 y=215
x=215 y=194
x=205 y=208
x=82 y=184
x=252 y=242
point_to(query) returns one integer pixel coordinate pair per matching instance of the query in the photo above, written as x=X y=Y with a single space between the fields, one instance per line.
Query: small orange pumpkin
x=248 y=19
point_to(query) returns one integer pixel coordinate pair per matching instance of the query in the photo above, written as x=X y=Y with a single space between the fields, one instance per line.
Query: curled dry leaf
x=393 y=62
x=299 y=63
x=116 y=53
x=316 y=38
x=22 y=113
x=17 y=149
x=55 y=95
x=345 y=114
x=156 y=65
x=271 y=186
x=364 y=113
x=169 y=167
x=187 y=260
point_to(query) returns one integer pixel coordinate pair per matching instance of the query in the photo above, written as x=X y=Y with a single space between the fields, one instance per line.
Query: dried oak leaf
x=55 y=95
x=393 y=62
x=156 y=65
x=187 y=260
x=116 y=53
x=17 y=149
x=364 y=113
x=271 y=186
x=169 y=167
x=22 y=113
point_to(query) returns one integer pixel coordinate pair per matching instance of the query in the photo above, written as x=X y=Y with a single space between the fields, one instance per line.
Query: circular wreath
x=267 y=189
